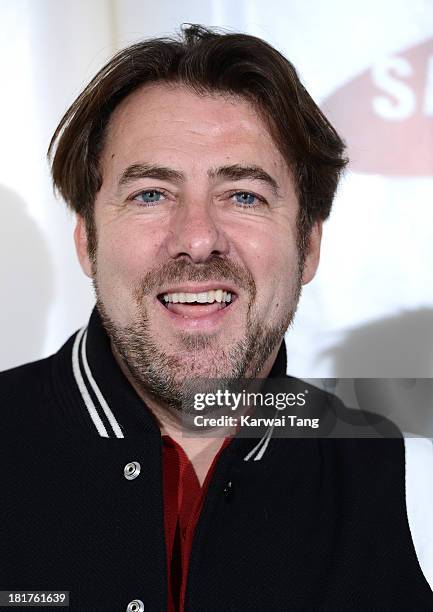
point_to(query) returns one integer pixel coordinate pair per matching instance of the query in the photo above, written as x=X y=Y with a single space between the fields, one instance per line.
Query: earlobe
x=312 y=256
x=81 y=246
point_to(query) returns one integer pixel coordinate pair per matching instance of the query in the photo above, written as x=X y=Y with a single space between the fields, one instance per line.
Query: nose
x=196 y=233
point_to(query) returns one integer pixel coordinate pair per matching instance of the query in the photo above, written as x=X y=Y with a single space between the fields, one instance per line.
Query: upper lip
x=202 y=288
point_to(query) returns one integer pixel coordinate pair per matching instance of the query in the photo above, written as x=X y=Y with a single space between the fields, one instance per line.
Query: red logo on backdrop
x=385 y=115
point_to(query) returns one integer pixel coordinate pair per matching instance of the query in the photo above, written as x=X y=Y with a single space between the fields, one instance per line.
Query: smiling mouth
x=193 y=305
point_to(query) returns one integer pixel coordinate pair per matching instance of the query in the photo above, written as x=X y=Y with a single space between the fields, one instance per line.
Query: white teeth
x=204 y=297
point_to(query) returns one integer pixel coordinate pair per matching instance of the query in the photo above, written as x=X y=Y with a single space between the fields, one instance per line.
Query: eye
x=149 y=197
x=246 y=199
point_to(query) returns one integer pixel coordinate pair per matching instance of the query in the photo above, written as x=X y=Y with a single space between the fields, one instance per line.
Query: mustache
x=183 y=271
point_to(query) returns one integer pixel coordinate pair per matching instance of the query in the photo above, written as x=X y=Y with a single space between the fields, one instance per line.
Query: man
x=200 y=171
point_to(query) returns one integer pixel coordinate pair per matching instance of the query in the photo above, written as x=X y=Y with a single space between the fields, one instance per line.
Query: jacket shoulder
x=24 y=394
x=18 y=379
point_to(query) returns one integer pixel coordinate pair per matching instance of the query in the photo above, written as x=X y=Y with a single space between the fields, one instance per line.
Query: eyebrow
x=234 y=172
x=237 y=172
x=139 y=171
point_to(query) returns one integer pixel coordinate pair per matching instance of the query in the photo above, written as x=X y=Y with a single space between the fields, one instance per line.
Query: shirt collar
x=112 y=404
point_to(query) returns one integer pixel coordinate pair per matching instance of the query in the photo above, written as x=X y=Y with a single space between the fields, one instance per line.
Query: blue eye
x=244 y=198
x=151 y=196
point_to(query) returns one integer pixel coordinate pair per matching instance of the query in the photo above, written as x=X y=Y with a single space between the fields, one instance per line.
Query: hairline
x=205 y=92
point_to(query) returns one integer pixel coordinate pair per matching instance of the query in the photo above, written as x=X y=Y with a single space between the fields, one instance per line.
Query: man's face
x=197 y=205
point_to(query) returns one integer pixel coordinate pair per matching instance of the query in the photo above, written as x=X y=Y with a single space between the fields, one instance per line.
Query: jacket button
x=228 y=490
x=136 y=605
x=131 y=471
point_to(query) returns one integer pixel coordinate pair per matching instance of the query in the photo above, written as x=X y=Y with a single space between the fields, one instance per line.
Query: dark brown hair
x=205 y=61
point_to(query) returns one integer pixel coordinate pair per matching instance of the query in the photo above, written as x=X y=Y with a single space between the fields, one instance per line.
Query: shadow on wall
x=396 y=347
x=387 y=367
x=27 y=283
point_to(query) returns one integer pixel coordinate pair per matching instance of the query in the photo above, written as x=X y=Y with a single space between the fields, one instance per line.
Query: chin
x=205 y=362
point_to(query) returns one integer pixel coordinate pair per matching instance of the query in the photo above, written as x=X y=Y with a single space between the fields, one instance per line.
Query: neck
x=200 y=450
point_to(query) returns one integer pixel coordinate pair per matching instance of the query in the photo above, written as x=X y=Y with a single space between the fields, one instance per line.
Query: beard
x=169 y=377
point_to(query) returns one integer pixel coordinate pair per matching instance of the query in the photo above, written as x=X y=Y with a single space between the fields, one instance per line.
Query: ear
x=80 y=238
x=312 y=256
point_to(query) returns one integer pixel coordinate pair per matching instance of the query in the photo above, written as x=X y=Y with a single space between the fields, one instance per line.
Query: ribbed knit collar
x=94 y=387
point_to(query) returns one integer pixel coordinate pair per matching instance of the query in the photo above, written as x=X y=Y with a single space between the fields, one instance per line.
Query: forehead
x=172 y=124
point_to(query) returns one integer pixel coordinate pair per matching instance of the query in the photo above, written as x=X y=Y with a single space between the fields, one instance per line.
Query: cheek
x=126 y=254
x=272 y=257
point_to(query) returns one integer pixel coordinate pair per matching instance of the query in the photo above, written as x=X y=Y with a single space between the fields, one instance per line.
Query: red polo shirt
x=183 y=501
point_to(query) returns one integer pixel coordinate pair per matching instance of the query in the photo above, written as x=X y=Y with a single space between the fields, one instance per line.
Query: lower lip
x=206 y=318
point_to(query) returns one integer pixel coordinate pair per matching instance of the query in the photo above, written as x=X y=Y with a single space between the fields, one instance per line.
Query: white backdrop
x=369 y=312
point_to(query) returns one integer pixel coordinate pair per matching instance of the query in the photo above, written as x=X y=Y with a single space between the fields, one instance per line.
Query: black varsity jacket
x=287 y=525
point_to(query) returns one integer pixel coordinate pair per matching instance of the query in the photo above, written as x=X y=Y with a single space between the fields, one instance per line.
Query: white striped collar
x=84 y=380
x=97 y=403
